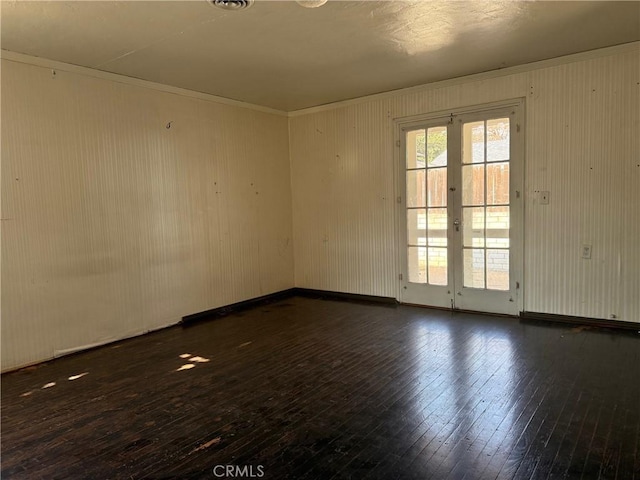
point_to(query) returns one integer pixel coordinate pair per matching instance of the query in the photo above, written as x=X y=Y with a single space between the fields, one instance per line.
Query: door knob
x=456 y=224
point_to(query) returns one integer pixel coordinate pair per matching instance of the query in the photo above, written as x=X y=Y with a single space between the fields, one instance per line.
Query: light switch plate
x=586 y=252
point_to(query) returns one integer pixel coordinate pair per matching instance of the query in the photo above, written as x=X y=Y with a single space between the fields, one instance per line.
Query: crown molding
x=90 y=72
x=528 y=67
x=114 y=77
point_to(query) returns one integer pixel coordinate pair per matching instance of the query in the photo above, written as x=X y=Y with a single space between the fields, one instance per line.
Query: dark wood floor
x=317 y=389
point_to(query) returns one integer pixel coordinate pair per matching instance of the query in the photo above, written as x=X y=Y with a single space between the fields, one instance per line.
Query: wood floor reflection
x=318 y=389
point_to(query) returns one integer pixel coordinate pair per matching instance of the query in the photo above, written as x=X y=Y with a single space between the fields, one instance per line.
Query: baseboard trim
x=84 y=349
x=342 y=296
x=349 y=297
x=283 y=295
x=585 y=321
x=236 y=307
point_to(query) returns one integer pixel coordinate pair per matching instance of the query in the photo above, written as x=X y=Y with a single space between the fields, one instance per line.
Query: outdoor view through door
x=427 y=205
x=461 y=198
x=485 y=204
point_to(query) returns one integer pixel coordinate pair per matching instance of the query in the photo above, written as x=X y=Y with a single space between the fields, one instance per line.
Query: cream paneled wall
x=582 y=144
x=114 y=224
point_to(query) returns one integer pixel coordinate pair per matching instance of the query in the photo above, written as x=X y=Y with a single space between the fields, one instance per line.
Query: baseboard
x=350 y=297
x=84 y=349
x=236 y=307
x=283 y=295
x=584 y=321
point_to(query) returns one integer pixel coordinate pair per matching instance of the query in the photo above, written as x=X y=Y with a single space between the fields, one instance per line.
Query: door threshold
x=459 y=310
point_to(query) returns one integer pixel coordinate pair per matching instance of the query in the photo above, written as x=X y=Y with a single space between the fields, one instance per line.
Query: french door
x=461 y=210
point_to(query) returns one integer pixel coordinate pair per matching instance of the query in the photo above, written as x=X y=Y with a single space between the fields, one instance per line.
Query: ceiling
x=281 y=55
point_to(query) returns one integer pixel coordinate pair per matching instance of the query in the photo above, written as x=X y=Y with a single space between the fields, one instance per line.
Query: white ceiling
x=281 y=55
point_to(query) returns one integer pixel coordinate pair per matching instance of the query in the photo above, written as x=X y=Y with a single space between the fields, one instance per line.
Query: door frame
x=516 y=193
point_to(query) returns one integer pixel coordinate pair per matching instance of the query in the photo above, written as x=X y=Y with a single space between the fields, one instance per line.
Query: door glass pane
x=473 y=185
x=497 y=139
x=437 y=266
x=498 y=269
x=437 y=147
x=417 y=226
x=473 y=262
x=485 y=231
x=498 y=227
x=473 y=142
x=437 y=187
x=498 y=183
x=415 y=149
x=473 y=226
x=415 y=188
x=417 y=264
x=426 y=203
x=437 y=224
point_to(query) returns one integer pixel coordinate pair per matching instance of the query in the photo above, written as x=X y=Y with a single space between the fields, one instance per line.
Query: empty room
x=320 y=239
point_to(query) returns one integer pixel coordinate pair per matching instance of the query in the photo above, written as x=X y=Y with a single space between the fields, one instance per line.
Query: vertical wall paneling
x=114 y=224
x=582 y=145
x=125 y=208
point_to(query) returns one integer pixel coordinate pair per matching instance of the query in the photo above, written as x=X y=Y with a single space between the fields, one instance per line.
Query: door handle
x=456 y=223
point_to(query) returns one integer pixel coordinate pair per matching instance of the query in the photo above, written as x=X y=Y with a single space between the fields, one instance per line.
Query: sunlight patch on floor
x=192 y=359
x=199 y=359
x=186 y=366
